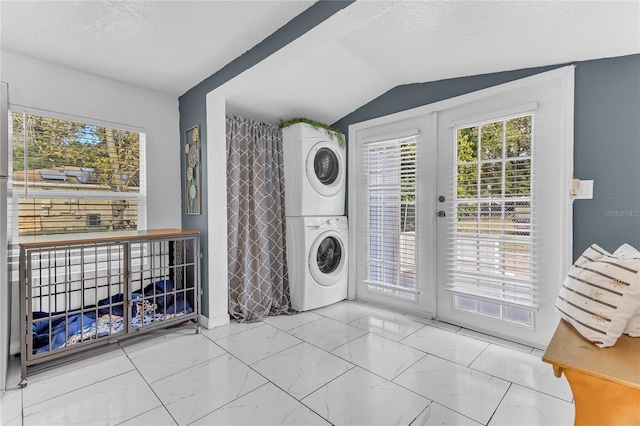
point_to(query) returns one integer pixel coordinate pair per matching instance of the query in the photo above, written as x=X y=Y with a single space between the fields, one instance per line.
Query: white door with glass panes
x=394 y=238
x=491 y=207
x=504 y=237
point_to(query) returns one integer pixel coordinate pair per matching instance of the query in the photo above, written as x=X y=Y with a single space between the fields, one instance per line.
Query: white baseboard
x=210 y=323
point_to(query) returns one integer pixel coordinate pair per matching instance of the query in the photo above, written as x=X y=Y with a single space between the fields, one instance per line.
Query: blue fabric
x=117 y=305
x=160 y=287
x=59 y=330
x=180 y=305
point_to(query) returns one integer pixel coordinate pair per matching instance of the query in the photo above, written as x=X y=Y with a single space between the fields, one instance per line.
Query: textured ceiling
x=372 y=46
x=351 y=58
x=169 y=46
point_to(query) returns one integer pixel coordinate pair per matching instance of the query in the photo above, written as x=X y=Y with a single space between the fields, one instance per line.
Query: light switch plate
x=584 y=190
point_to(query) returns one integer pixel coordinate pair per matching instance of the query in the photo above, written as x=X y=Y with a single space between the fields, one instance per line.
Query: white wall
x=45 y=86
x=218 y=271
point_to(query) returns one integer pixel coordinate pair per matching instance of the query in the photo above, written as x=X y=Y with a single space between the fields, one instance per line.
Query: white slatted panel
x=390 y=169
x=491 y=256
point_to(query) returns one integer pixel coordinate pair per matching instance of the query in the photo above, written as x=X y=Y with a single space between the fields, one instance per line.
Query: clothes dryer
x=317 y=260
x=314 y=171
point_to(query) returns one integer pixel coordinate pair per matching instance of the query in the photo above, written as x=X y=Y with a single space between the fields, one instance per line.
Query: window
x=71 y=176
x=391 y=193
x=492 y=259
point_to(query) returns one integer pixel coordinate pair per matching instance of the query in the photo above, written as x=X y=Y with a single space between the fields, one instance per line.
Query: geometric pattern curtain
x=258 y=277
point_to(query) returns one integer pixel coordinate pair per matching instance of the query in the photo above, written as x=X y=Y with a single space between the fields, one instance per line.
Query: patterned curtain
x=258 y=278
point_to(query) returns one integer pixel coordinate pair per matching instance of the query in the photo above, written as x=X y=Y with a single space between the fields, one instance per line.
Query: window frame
x=498 y=283
x=396 y=147
x=18 y=192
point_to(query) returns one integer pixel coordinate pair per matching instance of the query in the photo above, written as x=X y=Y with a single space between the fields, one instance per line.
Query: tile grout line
x=499 y=403
x=384 y=378
x=340 y=375
x=329 y=353
x=526 y=386
x=227 y=403
x=151 y=389
x=22 y=389
x=287 y=392
x=249 y=366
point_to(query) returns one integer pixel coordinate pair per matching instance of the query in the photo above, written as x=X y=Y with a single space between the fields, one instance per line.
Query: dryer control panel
x=317 y=222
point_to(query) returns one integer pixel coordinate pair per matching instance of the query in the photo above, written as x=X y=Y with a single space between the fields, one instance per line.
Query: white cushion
x=633 y=325
x=600 y=294
x=627 y=250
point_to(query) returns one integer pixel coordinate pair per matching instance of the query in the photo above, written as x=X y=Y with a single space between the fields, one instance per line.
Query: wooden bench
x=605 y=381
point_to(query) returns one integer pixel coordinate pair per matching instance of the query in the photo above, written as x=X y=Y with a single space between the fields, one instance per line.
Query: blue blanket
x=155 y=303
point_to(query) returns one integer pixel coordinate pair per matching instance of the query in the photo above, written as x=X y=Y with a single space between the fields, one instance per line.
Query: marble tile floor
x=345 y=364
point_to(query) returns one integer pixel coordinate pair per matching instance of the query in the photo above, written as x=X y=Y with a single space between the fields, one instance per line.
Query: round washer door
x=327 y=258
x=325 y=168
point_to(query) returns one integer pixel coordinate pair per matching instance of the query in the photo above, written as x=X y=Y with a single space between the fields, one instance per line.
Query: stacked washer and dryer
x=317 y=230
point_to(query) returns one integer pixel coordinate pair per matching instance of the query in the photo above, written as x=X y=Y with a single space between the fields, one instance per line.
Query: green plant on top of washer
x=330 y=130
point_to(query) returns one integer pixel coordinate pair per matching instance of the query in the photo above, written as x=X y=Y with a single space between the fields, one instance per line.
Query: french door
x=393 y=236
x=491 y=206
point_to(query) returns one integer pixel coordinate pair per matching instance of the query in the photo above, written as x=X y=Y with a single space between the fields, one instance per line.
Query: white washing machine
x=314 y=172
x=317 y=260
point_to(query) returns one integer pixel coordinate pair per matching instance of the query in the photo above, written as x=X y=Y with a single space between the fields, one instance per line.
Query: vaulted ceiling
x=349 y=59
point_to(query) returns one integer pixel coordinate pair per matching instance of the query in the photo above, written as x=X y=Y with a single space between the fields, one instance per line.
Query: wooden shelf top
x=46 y=240
x=619 y=363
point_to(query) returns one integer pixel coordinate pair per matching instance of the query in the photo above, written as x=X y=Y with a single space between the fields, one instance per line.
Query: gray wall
x=193 y=111
x=606 y=146
x=607 y=129
x=607 y=150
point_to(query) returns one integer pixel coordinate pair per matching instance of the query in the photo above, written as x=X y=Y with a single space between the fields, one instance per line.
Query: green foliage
x=50 y=142
x=483 y=151
x=408 y=180
x=65 y=146
x=120 y=168
x=55 y=144
x=331 y=131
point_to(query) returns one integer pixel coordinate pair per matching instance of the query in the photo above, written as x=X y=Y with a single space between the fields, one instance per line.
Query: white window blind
x=390 y=169
x=491 y=262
